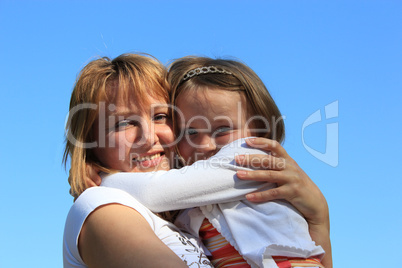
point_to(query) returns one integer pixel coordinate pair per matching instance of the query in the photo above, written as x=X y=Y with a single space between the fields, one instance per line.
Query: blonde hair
x=127 y=77
x=241 y=79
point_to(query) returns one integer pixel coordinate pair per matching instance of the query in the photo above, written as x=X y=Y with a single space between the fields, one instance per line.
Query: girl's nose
x=206 y=145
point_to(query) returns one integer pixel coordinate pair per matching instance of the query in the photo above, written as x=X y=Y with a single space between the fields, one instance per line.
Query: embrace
x=183 y=167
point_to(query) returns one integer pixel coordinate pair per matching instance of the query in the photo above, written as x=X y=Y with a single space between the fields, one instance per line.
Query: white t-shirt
x=183 y=244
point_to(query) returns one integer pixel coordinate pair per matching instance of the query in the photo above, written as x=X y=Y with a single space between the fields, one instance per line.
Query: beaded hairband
x=204 y=70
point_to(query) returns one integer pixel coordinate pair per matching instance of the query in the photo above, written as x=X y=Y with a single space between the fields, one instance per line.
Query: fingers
x=91 y=183
x=73 y=194
x=272 y=176
x=285 y=192
x=70 y=181
x=267 y=145
x=272 y=194
x=290 y=184
x=260 y=161
x=93 y=178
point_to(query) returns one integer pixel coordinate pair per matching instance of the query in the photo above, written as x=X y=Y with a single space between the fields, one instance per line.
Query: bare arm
x=118 y=236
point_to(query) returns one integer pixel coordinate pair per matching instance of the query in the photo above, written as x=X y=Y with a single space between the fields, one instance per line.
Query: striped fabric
x=287 y=262
x=225 y=255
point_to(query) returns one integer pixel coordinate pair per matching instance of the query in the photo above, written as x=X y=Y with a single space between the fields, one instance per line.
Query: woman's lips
x=149 y=160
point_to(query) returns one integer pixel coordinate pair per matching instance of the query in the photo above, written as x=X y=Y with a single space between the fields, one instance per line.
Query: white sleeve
x=205 y=182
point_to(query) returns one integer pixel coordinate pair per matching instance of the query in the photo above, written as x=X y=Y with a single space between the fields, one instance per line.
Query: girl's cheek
x=240 y=133
x=235 y=135
x=185 y=149
x=226 y=139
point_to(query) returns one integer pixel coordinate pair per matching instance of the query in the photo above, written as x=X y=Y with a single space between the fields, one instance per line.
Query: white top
x=184 y=245
x=258 y=231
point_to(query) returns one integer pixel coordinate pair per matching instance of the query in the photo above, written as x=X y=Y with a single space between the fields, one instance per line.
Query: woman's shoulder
x=102 y=195
x=95 y=197
x=90 y=200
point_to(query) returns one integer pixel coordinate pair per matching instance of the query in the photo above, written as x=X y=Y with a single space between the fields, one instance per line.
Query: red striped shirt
x=225 y=255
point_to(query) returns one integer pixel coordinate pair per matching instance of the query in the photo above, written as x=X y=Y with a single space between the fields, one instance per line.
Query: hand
x=92 y=179
x=294 y=185
x=72 y=193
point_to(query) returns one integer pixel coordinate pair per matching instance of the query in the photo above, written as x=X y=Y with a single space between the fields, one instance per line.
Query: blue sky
x=310 y=54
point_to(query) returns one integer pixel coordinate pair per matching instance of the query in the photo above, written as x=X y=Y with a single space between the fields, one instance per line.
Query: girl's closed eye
x=223 y=130
x=190 y=131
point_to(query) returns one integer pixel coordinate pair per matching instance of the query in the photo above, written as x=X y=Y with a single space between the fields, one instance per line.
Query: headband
x=204 y=70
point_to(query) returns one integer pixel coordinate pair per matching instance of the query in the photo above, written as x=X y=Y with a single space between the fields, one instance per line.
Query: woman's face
x=132 y=139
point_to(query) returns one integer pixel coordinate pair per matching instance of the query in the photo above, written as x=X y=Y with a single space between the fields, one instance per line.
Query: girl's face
x=210 y=119
x=131 y=139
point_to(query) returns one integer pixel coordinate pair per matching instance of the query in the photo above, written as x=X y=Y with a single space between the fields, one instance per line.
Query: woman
x=119 y=121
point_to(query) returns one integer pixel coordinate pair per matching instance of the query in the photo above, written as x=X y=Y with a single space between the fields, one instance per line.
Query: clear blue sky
x=309 y=53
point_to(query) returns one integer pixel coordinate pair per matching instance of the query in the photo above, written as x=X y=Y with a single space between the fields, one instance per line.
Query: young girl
x=218 y=102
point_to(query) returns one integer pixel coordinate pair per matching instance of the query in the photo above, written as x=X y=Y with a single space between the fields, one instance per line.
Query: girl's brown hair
x=232 y=76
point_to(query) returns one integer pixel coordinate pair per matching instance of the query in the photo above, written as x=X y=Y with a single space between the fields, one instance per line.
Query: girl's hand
x=92 y=178
x=294 y=185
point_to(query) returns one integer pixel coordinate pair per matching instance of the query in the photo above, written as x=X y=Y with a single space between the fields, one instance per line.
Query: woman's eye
x=160 y=117
x=125 y=123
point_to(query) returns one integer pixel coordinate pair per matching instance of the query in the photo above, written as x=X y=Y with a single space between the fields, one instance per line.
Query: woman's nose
x=148 y=135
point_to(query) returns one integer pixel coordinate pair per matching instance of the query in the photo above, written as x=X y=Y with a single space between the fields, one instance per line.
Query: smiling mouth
x=147 y=158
